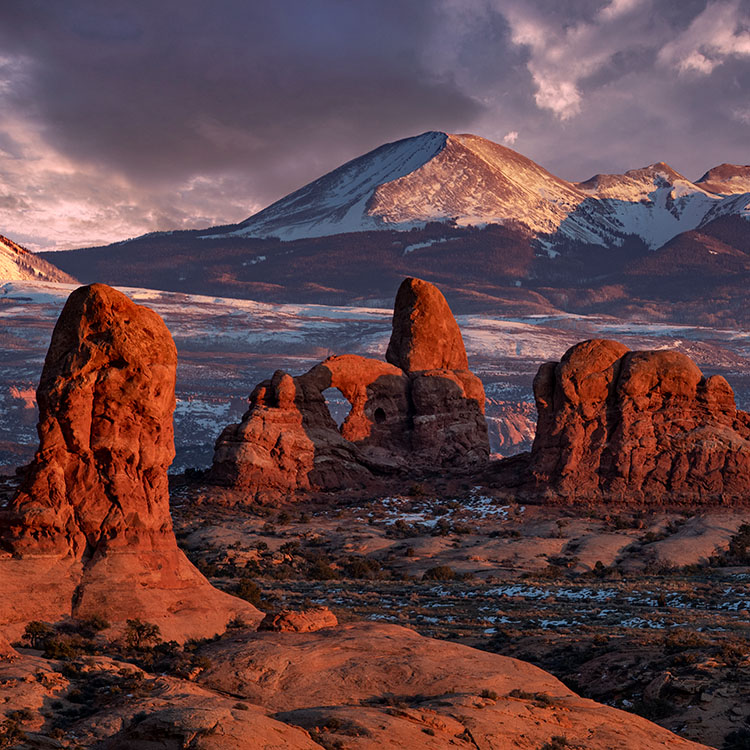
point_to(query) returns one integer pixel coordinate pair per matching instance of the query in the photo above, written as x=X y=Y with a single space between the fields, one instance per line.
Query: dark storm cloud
x=122 y=117
x=160 y=91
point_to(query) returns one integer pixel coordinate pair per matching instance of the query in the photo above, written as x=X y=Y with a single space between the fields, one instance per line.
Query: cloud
x=618 y=8
x=720 y=32
x=167 y=105
x=562 y=54
x=130 y=116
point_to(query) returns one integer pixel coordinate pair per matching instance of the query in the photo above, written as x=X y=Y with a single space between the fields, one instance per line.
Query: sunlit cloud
x=720 y=32
x=562 y=54
x=103 y=136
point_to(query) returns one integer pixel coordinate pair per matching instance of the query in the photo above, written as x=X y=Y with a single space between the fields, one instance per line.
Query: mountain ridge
x=19 y=264
x=484 y=222
x=465 y=179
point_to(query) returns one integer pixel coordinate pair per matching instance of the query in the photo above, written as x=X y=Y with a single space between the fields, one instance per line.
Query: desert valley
x=448 y=447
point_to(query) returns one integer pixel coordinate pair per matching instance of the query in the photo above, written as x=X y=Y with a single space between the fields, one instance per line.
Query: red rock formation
x=304 y=621
x=89 y=532
x=450 y=695
x=7 y=652
x=425 y=333
x=428 y=416
x=637 y=426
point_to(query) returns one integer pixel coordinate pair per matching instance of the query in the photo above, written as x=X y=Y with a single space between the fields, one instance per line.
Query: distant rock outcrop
x=89 y=531
x=423 y=412
x=642 y=427
x=302 y=621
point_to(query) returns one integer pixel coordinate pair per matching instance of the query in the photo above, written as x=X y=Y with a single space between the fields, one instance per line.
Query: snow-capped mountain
x=468 y=180
x=18 y=264
x=726 y=179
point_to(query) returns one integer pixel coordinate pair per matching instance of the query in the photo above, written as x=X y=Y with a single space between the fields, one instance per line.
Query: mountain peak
x=465 y=179
x=726 y=179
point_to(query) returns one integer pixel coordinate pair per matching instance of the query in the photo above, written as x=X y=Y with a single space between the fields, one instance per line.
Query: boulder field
x=89 y=532
x=420 y=412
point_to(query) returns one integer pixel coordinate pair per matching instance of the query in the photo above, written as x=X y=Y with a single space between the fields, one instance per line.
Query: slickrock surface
x=361 y=686
x=89 y=531
x=7 y=652
x=637 y=426
x=304 y=621
x=422 y=412
x=372 y=685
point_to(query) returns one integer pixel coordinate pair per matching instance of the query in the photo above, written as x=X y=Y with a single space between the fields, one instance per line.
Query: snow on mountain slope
x=655 y=203
x=476 y=181
x=732 y=205
x=726 y=179
x=18 y=264
x=472 y=181
x=337 y=202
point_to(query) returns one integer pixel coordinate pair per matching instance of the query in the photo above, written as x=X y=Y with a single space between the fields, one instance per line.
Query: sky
x=128 y=116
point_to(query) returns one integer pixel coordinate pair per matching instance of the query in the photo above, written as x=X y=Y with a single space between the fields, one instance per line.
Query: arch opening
x=338 y=405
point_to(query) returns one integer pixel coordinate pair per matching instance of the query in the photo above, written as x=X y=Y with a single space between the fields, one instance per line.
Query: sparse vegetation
x=439 y=573
x=140 y=634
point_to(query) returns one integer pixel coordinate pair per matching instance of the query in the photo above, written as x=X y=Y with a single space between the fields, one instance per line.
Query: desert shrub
x=139 y=634
x=732 y=653
x=463 y=528
x=248 y=590
x=684 y=640
x=37 y=634
x=66 y=647
x=237 y=622
x=403 y=530
x=283 y=518
x=556 y=742
x=738 y=545
x=439 y=573
x=442 y=527
x=11 y=734
x=92 y=624
x=282 y=572
x=320 y=570
x=542 y=700
x=362 y=567
x=491 y=694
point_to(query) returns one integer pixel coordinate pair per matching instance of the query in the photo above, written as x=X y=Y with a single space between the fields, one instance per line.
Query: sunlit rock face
x=637 y=426
x=89 y=531
x=422 y=411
